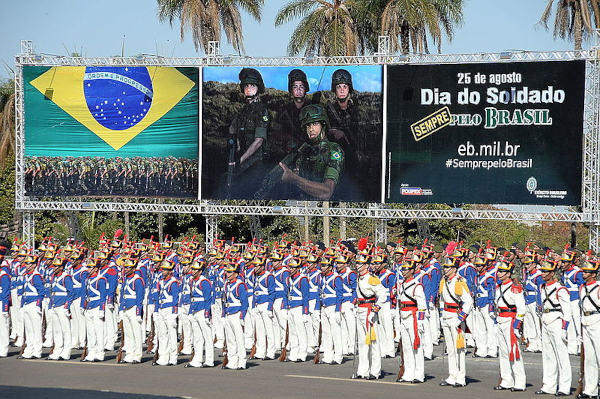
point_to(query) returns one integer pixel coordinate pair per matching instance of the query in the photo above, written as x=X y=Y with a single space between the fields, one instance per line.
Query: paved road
x=263 y=379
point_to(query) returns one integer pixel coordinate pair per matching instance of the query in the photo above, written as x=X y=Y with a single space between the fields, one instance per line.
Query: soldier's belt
x=591 y=312
x=550 y=310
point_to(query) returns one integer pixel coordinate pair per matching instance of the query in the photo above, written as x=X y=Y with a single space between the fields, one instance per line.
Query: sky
x=110 y=27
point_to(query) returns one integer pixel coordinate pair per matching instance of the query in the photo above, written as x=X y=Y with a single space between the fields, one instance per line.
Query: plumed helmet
x=548 y=265
x=450 y=262
x=313 y=113
x=341 y=76
x=251 y=76
x=297 y=75
x=591 y=266
x=505 y=266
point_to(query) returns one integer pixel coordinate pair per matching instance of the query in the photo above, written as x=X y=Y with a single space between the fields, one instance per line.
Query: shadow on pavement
x=10 y=392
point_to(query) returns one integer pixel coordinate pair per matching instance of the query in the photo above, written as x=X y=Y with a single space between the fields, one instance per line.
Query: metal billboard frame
x=590 y=204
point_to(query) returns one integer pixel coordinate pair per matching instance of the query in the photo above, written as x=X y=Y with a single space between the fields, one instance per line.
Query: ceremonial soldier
x=589 y=294
x=110 y=272
x=216 y=274
x=510 y=308
x=332 y=294
x=236 y=306
x=388 y=280
x=532 y=329
x=556 y=313
x=572 y=279
x=484 y=310
x=456 y=303
x=185 y=324
x=280 y=297
x=264 y=295
x=371 y=294
x=349 y=298
x=61 y=295
x=32 y=294
x=166 y=314
x=467 y=271
x=4 y=299
x=131 y=305
x=95 y=306
x=46 y=270
x=298 y=317
x=314 y=301
x=18 y=270
x=201 y=300
x=80 y=274
x=412 y=304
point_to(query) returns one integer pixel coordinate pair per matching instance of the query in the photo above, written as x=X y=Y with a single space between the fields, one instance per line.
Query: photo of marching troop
x=98 y=176
x=227 y=303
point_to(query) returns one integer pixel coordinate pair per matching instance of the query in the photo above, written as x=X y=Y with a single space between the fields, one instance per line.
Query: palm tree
x=7 y=122
x=409 y=22
x=206 y=18
x=573 y=19
x=327 y=27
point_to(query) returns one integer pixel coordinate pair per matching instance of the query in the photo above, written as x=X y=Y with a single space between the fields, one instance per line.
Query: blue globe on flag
x=118 y=97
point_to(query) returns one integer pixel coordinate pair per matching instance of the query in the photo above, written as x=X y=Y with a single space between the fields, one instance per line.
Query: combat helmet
x=314 y=113
x=297 y=75
x=251 y=76
x=341 y=76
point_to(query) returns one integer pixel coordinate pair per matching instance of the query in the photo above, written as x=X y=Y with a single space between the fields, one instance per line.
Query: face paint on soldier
x=250 y=90
x=298 y=91
x=314 y=130
x=341 y=91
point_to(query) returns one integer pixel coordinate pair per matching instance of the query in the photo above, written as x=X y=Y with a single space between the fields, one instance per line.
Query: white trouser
x=555 y=358
x=280 y=323
x=148 y=317
x=249 y=325
x=414 y=361
x=234 y=333
x=348 y=327
x=32 y=319
x=166 y=327
x=4 y=333
x=132 y=327
x=591 y=346
x=574 y=330
x=511 y=372
x=218 y=325
x=434 y=324
x=470 y=339
x=315 y=317
x=186 y=329
x=16 y=317
x=369 y=356
x=110 y=327
x=331 y=335
x=396 y=320
x=203 y=340
x=386 y=341
x=265 y=339
x=61 y=330
x=532 y=330
x=94 y=324
x=456 y=357
x=48 y=335
x=298 y=323
x=485 y=332
x=78 y=330
x=425 y=337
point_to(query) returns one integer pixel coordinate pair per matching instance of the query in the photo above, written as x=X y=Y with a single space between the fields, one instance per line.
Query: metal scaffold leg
x=594 y=237
x=29 y=229
x=381 y=231
x=212 y=227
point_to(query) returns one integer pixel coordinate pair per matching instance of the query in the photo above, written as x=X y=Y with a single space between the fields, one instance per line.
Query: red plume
x=488 y=244
x=425 y=241
x=567 y=246
x=362 y=243
x=118 y=233
x=399 y=241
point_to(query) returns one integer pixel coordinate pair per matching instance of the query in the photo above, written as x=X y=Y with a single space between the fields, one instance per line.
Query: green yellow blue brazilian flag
x=109 y=112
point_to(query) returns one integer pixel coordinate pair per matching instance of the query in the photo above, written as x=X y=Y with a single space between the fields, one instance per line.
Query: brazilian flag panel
x=122 y=131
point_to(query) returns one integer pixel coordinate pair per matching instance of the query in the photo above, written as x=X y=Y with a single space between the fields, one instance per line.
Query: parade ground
x=263 y=379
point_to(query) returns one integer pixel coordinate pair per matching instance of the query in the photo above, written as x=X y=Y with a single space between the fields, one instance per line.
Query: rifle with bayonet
x=274 y=176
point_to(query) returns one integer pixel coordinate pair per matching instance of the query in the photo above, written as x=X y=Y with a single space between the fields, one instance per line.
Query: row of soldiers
x=167 y=176
x=296 y=299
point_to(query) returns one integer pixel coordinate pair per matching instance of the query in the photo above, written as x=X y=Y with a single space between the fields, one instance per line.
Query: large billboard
x=497 y=133
x=111 y=131
x=255 y=146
